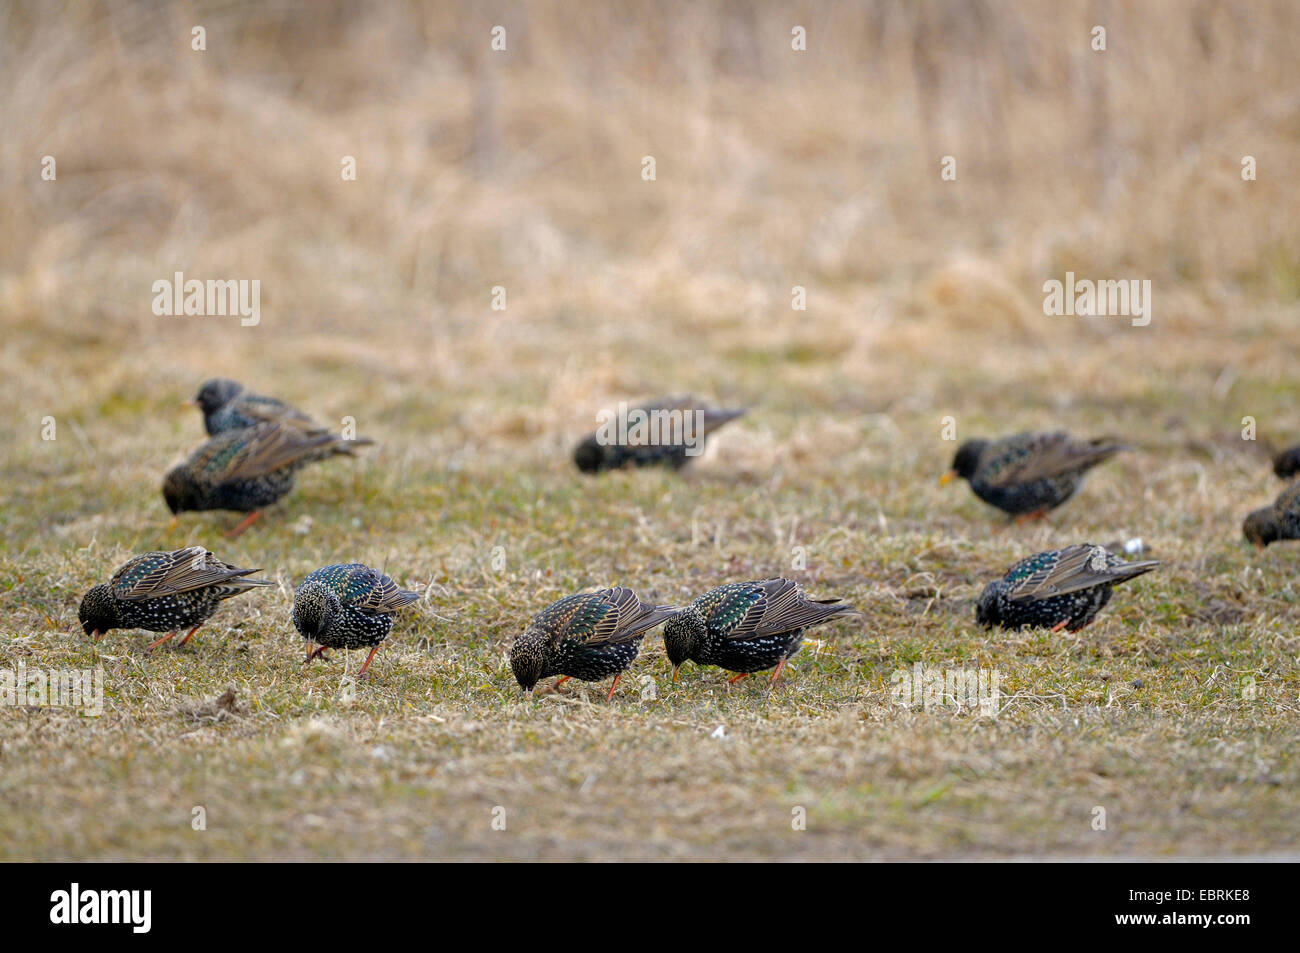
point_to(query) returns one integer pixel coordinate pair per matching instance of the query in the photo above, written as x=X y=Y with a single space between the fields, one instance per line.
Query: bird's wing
x=1036 y=456
x=261 y=449
x=600 y=618
x=262 y=408
x=712 y=417
x=1064 y=570
x=384 y=595
x=165 y=573
x=776 y=606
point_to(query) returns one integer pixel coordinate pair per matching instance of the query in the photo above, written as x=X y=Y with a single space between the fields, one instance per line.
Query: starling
x=1287 y=463
x=669 y=428
x=589 y=636
x=245 y=470
x=226 y=405
x=163 y=592
x=1030 y=473
x=746 y=627
x=1061 y=589
x=1280 y=520
x=347 y=607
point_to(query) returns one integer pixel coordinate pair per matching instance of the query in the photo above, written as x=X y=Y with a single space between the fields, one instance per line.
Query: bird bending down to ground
x=227 y=405
x=347 y=607
x=163 y=592
x=657 y=434
x=245 y=470
x=746 y=627
x=589 y=636
x=1277 y=521
x=1030 y=473
x=1060 y=589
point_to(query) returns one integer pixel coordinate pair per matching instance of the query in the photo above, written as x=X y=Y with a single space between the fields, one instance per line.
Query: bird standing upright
x=163 y=592
x=662 y=433
x=590 y=636
x=347 y=606
x=1030 y=473
x=746 y=627
x=1059 y=589
x=248 y=469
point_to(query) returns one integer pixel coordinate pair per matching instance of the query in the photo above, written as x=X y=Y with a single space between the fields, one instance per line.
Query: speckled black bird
x=1277 y=521
x=1060 y=589
x=602 y=451
x=245 y=470
x=164 y=592
x=589 y=636
x=347 y=606
x=1287 y=463
x=227 y=405
x=746 y=627
x=1030 y=473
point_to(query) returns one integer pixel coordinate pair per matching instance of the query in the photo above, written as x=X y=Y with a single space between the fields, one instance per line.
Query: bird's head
x=988 y=610
x=98 y=612
x=527 y=660
x=1261 y=528
x=589 y=455
x=966 y=461
x=216 y=393
x=682 y=636
x=315 y=608
x=179 y=490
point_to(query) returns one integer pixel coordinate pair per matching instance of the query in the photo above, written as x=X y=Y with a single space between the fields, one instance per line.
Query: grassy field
x=1177 y=713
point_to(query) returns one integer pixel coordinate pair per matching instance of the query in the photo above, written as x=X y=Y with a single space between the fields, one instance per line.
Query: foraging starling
x=589 y=636
x=671 y=426
x=1279 y=520
x=245 y=470
x=1029 y=473
x=163 y=592
x=347 y=607
x=746 y=627
x=1061 y=589
x=1287 y=463
x=226 y=405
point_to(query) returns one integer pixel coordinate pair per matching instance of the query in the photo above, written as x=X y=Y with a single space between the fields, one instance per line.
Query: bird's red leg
x=1060 y=625
x=736 y=678
x=248 y=521
x=191 y=632
x=1037 y=514
x=610 y=696
x=153 y=645
x=777 y=671
x=560 y=681
x=368 y=660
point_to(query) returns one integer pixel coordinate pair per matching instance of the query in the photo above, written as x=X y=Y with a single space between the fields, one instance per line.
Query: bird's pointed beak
x=675 y=668
x=96 y=635
x=189 y=403
x=171 y=525
x=947 y=477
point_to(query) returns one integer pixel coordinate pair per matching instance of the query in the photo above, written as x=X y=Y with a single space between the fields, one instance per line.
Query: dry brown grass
x=775 y=168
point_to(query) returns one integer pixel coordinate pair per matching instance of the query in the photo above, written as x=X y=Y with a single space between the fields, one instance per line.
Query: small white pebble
x=719 y=732
x=379 y=752
x=1134 y=546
